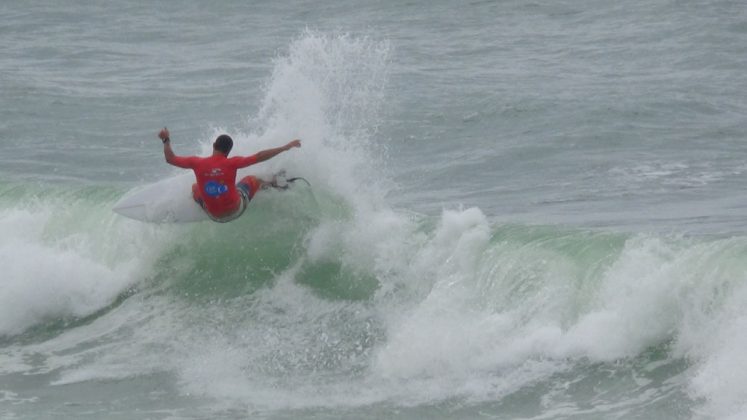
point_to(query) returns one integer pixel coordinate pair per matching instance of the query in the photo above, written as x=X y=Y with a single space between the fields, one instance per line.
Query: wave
x=418 y=302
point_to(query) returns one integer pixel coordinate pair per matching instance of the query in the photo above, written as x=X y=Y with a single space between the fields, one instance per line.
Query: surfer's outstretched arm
x=168 y=153
x=271 y=153
x=268 y=153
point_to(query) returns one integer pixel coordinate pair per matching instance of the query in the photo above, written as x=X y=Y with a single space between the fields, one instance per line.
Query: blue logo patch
x=214 y=189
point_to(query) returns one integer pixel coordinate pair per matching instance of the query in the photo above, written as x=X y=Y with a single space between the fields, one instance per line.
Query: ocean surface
x=519 y=210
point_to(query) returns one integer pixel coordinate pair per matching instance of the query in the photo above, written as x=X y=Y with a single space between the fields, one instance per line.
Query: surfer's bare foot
x=278 y=182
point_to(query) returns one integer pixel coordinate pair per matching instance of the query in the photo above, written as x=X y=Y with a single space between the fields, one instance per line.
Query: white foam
x=54 y=268
x=654 y=291
x=712 y=332
x=635 y=307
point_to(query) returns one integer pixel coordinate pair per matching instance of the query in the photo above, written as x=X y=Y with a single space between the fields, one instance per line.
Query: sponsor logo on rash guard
x=214 y=189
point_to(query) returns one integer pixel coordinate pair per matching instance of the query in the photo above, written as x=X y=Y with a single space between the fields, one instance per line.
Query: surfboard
x=170 y=200
x=166 y=201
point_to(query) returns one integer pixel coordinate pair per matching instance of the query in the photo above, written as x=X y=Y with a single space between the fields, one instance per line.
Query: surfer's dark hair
x=224 y=143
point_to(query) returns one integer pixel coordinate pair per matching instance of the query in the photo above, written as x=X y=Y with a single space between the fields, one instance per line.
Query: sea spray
x=328 y=90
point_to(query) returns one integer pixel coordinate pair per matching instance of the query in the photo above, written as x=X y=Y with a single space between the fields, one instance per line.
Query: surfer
x=216 y=189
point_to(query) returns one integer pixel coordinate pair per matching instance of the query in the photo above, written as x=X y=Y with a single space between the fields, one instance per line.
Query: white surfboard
x=166 y=201
x=170 y=200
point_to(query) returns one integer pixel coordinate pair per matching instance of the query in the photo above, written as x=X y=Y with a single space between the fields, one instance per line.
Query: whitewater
x=517 y=211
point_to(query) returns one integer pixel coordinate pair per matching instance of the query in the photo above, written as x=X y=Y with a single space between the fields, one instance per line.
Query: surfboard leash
x=294 y=179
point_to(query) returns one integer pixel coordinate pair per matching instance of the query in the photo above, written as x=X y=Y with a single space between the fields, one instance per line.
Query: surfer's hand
x=294 y=143
x=163 y=134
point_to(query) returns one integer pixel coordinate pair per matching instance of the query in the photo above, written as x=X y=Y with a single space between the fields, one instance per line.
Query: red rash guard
x=216 y=180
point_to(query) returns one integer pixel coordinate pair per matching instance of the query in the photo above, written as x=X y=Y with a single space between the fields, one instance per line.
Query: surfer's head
x=223 y=144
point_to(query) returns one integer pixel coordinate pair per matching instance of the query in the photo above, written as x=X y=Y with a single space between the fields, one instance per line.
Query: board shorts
x=247 y=188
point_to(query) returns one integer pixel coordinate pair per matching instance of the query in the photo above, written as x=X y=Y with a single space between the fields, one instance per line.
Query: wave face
x=328 y=302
